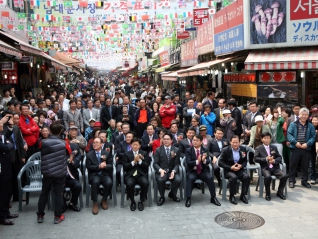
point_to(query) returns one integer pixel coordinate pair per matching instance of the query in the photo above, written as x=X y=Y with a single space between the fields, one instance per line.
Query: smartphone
x=269 y=117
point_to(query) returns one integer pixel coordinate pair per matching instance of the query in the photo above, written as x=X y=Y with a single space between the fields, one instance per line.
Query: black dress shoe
x=267 y=197
x=140 y=206
x=281 y=196
x=174 y=198
x=133 y=206
x=306 y=184
x=198 y=185
x=291 y=185
x=188 y=202
x=10 y=216
x=233 y=200
x=7 y=222
x=215 y=201
x=74 y=207
x=161 y=201
x=244 y=199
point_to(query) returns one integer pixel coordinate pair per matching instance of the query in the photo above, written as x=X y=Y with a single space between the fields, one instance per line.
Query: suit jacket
x=214 y=149
x=121 y=149
x=214 y=105
x=76 y=161
x=183 y=146
x=76 y=117
x=87 y=116
x=120 y=138
x=92 y=164
x=226 y=160
x=249 y=123
x=188 y=117
x=19 y=143
x=175 y=142
x=261 y=154
x=142 y=168
x=217 y=114
x=108 y=146
x=145 y=141
x=161 y=160
x=237 y=116
x=105 y=117
x=191 y=159
x=130 y=120
x=131 y=110
x=5 y=159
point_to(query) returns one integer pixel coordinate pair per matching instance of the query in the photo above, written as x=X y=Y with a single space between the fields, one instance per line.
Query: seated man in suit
x=215 y=147
x=269 y=158
x=147 y=140
x=234 y=160
x=72 y=177
x=166 y=166
x=186 y=143
x=99 y=164
x=198 y=168
x=136 y=163
x=124 y=146
x=108 y=146
x=121 y=137
x=176 y=132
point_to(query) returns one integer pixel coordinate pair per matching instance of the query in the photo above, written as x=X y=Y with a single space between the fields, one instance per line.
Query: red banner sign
x=9 y=73
x=228 y=17
x=183 y=35
x=303 y=9
x=200 y=16
x=189 y=54
x=164 y=58
x=205 y=37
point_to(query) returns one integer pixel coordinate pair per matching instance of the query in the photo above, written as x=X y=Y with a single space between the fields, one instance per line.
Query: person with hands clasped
x=166 y=166
x=197 y=158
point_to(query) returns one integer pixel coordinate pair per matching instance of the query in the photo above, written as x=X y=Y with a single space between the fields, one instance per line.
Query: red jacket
x=29 y=131
x=167 y=115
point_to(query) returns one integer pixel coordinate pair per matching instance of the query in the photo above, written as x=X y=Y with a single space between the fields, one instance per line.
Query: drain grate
x=239 y=220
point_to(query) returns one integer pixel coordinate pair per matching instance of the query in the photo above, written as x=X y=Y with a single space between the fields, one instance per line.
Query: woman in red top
x=158 y=142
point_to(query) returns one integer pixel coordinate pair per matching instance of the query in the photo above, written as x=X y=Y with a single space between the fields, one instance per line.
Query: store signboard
x=9 y=73
x=285 y=23
x=287 y=92
x=189 y=54
x=247 y=90
x=205 y=38
x=7 y=66
x=200 y=16
x=164 y=58
x=25 y=59
x=228 y=29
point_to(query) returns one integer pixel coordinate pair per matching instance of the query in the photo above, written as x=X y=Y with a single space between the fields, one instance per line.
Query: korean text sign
x=296 y=25
x=228 y=29
x=200 y=16
x=189 y=56
x=205 y=38
x=164 y=58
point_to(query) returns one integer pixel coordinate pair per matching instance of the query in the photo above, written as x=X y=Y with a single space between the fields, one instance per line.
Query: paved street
x=294 y=218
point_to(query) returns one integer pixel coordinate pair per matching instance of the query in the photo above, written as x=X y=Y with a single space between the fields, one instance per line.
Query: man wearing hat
x=73 y=137
x=256 y=132
x=167 y=112
x=89 y=129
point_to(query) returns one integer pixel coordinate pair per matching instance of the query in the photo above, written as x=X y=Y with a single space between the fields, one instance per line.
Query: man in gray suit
x=73 y=115
x=90 y=113
x=249 y=120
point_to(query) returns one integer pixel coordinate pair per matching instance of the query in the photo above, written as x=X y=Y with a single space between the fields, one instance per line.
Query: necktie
x=190 y=142
x=110 y=112
x=199 y=168
x=150 y=137
x=98 y=158
x=297 y=117
x=128 y=148
x=267 y=150
x=221 y=114
x=168 y=154
x=13 y=140
x=135 y=173
x=69 y=173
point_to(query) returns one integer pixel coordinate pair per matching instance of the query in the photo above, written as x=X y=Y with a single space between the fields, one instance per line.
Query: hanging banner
x=189 y=54
x=200 y=16
x=205 y=38
x=228 y=29
x=281 y=23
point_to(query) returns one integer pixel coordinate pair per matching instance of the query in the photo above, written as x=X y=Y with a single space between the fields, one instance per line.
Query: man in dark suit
x=234 y=160
x=5 y=177
x=177 y=133
x=187 y=112
x=237 y=116
x=187 y=142
x=166 y=166
x=121 y=137
x=130 y=108
x=215 y=147
x=269 y=158
x=219 y=111
x=100 y=167
x=211 y=101
x=198 y=161
x=108 y=112
x=250 y=120
x=58 y=113
x=147 y=140
x=136 y=163
x=72 y=177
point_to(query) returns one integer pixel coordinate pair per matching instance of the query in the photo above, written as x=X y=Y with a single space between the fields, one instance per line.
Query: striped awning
x=7 y=49
x=283 y=59
x=172 y=76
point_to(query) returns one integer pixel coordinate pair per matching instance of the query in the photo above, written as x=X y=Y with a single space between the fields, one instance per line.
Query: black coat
x=5 y=157
x=188 y=117
x=92 y=164
x=214 y=149
x=226 y=160
x=121 y=149
x=237 y=116
x=142 y=168
x=183 y=146
x=19 y=143
x=161 y=160
x=76 y=161
x=120 y=138
x=261 y=154
x=191 y=159
x=214 y=104
x=145 y=141
x=105 y=117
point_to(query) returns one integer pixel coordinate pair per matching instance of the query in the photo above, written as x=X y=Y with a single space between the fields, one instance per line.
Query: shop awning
x=7 y=49
x=172 y=76
x=161 y=69
x=283 y=59
x=54 y=62
x=23 y=45
x=65 y=59
x=200 y=68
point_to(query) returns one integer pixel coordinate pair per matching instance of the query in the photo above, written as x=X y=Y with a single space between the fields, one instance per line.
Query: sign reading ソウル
x=164 y=58
x=189 y=54
x=282 y=23
x=228 y=29
x=205 y=38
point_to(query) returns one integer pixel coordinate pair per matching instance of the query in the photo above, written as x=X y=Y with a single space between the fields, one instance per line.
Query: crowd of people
x=148 y=127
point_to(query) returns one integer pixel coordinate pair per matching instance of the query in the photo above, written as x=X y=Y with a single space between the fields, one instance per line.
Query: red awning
x=172 y=76
x=200 y=68
x=283 y=59
x=7 y=49
x=23 y=45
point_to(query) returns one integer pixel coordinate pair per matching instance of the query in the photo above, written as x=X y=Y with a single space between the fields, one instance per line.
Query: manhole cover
x=239 y=220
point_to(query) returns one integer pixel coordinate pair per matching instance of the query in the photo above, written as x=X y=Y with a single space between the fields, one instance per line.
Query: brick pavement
x=294 y=218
